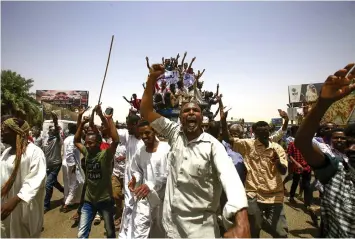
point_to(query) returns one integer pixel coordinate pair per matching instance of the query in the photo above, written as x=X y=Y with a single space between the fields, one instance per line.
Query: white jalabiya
x=132 y=144
x=26 y=220
x=73 y=181
x=150 y=169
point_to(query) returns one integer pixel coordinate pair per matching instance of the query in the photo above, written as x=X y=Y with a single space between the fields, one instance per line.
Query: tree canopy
x=16 y=98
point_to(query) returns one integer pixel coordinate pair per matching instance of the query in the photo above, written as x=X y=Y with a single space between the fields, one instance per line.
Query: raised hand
x=155 y=71
x=98 y=110
x=283 y=114
x=223 y=114
x=82 y=110
x=54 y=116
x=339 y=85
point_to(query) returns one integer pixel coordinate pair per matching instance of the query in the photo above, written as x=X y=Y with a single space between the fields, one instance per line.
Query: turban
x=21 y=144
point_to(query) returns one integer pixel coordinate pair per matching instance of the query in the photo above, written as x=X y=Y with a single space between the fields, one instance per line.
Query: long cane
x=108 y=61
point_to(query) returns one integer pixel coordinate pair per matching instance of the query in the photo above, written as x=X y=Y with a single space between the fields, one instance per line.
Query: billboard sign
x=341 y=112
x=63 y=102
x=276 y=121
x=304 y=93
x=63 y=98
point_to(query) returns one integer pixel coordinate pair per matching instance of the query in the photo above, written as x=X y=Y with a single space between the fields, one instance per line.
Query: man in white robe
x=149 y=169
x=22 y=182
x=130 y=138
x=73 y=176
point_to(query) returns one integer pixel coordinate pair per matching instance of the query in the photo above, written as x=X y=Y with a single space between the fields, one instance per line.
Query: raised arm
x=216 y=113
x=98 y=111
x=77 y=137
x=56 y=125
x=147 y=60
x=146 y=109
x=199 y=75
x=284 y=116
x=277 y=136
x=91 y=122
x=336 y=87
x=113 y=133
x=223 y=117
x=183 y=59
x=217 y=92
x=124 y=97
x=192 y=61
x=177 y=60
x=82 y=110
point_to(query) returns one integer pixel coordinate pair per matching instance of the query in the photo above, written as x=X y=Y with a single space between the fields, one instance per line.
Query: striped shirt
x=338 y=202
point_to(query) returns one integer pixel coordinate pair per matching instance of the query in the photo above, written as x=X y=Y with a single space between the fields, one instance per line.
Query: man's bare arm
x=98 y=110
x=223 y=115
x=336 y=87
x=284 y=116
x=217 y=92
x=177 y=60
x=124 y=97
x=183 y=59
x=78 y=135
x=242 y=227
x=146 y=109
x=147 y=60
x=192 y=61
x=216 y=113
x=56 y=125
x=113 y=134
x=200 y=75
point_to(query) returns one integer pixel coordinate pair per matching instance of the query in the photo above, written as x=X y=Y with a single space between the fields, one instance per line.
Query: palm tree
x=16 y=98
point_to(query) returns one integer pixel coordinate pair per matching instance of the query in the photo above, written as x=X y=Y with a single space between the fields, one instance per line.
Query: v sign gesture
x=339 y=85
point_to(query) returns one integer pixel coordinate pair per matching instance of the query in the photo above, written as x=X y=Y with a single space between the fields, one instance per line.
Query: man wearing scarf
x=23 y=174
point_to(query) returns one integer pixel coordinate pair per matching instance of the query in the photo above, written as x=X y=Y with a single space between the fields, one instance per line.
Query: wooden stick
x=108 y=61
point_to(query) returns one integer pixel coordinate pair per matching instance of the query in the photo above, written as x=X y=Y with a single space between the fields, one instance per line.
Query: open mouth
x=191 y=121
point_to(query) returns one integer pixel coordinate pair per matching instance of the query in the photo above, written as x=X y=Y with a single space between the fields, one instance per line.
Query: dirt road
x=57 y=224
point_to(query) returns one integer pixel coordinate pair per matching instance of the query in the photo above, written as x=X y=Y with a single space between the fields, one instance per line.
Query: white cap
x=205 y=120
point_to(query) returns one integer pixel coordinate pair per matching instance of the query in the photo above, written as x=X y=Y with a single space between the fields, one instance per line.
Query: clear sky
x=253 y=49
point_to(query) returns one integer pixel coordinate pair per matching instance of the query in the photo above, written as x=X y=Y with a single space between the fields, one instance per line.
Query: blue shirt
x=238 y=161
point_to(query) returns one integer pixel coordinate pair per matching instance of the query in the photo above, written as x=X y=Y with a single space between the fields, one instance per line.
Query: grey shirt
x=39 y=142
x=53 y=152
x=197 y=172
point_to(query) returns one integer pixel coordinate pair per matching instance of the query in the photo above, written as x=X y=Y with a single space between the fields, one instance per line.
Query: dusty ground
x=57 y=224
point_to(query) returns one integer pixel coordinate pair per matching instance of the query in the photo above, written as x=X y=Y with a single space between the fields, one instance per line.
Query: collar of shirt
x=201 y=138
x=259 y=144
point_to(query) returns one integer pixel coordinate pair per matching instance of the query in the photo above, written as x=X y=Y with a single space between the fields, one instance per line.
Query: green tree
x=16 y=98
